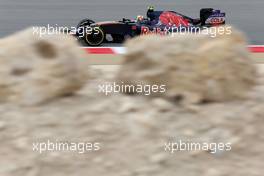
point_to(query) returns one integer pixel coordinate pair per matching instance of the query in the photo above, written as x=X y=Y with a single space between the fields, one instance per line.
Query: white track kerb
x=119 y=50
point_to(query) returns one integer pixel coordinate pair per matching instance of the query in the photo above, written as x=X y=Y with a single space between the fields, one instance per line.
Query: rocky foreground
x=132 y=129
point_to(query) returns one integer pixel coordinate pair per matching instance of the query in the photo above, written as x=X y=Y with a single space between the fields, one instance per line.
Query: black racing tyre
x=85 y=22
x=118 y=38
x=204 y=14
x=95 y=38
x=81 y=27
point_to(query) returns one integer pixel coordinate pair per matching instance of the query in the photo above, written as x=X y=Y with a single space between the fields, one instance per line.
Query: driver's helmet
x=140 y=18
x=151 y=8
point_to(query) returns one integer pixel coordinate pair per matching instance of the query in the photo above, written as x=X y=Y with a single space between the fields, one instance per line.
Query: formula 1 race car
x=158 y=22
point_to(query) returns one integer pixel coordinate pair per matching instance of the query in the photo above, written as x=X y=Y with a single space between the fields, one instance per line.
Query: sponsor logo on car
x=156 y=30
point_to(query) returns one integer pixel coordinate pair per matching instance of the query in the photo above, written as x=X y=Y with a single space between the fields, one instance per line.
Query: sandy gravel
x=132 y=131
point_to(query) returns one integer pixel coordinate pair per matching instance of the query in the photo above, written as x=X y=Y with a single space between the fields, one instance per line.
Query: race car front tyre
x=81 y=27
x=85 y=22
x=118 y=38
x=96 y=37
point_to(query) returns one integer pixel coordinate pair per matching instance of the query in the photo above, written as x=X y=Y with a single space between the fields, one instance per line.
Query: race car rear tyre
x=204 y=14
x=96 y=37
x=118 y=38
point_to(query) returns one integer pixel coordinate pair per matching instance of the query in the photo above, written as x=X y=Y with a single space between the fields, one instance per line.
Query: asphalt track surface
x=19 y=14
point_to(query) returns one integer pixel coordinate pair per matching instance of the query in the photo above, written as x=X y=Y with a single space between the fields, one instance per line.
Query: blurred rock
x=194 y=68
x=36 y=69
x=261 y=69
x=2 y=125
x=162 y=105
x=132 y=131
